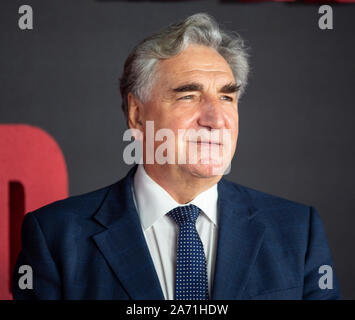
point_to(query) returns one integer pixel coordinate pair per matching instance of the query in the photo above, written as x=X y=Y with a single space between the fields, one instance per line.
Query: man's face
x=195 y=90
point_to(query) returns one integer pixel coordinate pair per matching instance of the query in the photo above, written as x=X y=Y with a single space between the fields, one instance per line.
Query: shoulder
x=258 y=198
x=268 y=207
x=287 y=223
x=74 y=208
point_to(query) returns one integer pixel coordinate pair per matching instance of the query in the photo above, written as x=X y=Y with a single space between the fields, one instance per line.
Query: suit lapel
x=239 y=239
x=124 y=247
x=123 y=244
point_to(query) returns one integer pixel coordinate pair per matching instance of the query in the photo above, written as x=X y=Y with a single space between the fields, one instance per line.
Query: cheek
x=236 y=127
x=181 y=122
x=232 y=123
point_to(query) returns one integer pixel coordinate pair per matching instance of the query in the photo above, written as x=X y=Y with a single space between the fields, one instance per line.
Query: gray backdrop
x=295 y=119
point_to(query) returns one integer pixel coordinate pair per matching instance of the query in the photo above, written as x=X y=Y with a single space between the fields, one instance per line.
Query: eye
x=227 y=98
x=188 y=97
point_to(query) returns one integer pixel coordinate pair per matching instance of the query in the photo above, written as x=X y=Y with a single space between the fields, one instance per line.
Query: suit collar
x=118 y=203
x=240 y=236
x=123 y=244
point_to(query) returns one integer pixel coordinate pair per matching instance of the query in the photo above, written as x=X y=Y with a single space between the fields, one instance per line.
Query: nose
x=211 y=115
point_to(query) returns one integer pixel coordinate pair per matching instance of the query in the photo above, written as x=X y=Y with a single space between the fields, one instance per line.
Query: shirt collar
x=153 y=201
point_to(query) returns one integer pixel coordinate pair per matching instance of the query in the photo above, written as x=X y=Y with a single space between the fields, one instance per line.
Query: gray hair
x=200 y=28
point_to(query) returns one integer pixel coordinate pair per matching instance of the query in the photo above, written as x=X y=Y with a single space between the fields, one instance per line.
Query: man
x=176 y=229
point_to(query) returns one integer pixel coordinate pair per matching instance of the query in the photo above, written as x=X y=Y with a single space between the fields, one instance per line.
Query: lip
x=206 y=142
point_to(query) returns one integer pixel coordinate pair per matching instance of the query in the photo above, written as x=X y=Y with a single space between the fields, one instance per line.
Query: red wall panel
x=33 y=173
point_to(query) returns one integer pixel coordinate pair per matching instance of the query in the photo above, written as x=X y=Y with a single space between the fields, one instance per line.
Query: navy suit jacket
x=92 y=247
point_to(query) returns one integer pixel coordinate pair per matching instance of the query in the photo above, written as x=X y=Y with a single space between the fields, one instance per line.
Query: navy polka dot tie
x=191 y=270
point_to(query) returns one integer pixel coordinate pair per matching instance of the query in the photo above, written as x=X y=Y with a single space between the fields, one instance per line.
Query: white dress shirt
x=160 y=231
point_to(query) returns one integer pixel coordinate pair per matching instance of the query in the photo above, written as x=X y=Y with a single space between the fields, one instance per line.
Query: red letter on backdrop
x=32 y=174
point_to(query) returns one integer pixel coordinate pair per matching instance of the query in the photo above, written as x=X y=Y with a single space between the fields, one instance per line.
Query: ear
x=135 y=112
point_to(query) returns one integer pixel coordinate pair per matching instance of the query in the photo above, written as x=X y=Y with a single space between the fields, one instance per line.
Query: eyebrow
x=228 y=88
x=189 y=87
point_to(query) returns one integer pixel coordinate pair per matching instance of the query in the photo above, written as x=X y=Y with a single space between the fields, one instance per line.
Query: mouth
x=207 y=142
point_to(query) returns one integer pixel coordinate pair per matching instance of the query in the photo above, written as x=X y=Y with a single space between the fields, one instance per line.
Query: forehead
x=194 y=62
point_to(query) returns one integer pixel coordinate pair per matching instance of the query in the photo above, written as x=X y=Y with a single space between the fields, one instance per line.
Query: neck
x=183 y=186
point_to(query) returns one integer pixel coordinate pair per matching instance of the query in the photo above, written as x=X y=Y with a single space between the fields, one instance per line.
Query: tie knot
x=184 y=214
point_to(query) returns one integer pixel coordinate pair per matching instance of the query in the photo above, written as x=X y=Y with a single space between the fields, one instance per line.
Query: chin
x=205 y=170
